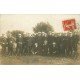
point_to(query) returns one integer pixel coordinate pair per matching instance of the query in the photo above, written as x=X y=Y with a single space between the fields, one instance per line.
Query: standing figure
x=3 y=44
x=10 y=44
x=19 y=42
x=25 y=44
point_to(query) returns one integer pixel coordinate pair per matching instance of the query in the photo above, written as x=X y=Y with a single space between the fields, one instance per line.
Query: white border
x=39 y=6
x=40 y=72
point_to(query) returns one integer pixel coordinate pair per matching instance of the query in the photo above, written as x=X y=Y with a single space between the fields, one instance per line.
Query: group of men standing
x=41 y=43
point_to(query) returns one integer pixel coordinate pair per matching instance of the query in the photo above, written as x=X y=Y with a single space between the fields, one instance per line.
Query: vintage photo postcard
x=39 y=39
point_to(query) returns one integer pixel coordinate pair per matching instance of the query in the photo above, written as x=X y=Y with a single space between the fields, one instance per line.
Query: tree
x=42 y=27
x=15 y=33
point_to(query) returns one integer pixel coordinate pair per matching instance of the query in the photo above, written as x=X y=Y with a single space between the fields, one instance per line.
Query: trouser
x=19 y=49
x=10 y=49
x=45 y=50
x=3 y=51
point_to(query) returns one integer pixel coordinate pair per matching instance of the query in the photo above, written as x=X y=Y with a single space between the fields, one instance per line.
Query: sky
x=26 y=22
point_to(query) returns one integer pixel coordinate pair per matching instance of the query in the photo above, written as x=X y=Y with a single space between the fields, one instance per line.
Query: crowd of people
x=41 y=43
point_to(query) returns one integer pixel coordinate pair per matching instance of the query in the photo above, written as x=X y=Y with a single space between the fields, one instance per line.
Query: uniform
x=50 y=45
x=74 y=45
x=45 y=45
x=25 y=45
x=19 y=42
x=3 y=45
x=10 y=45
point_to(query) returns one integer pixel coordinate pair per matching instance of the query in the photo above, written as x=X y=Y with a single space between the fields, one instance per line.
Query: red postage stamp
x=69 y=24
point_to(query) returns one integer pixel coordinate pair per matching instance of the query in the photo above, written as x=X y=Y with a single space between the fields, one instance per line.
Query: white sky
x=26 y=22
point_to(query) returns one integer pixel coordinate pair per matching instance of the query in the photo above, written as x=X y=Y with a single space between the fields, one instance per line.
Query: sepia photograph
x=40 y=39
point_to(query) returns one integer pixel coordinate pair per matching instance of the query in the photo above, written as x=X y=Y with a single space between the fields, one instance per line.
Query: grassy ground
x=36 y=59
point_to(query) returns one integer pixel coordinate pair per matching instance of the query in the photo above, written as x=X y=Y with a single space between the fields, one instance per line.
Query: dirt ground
x=38 y=60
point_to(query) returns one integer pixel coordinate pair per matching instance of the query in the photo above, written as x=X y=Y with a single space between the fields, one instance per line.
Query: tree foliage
x=42 y=27
x=15 y=33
